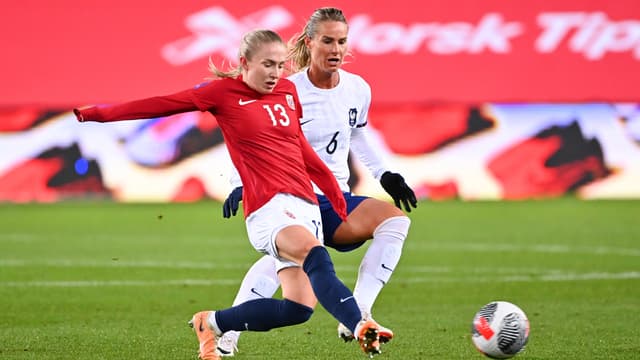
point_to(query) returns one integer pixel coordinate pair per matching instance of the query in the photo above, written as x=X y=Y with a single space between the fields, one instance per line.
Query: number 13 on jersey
x=278 y=114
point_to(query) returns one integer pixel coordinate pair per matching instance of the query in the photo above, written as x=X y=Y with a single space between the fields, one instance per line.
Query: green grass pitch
x=100 y=280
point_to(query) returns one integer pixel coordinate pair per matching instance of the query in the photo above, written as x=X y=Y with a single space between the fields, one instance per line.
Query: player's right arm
x=152 y=107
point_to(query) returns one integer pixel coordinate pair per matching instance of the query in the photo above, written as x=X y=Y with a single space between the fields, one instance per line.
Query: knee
x=396 y=226
x=296 y=313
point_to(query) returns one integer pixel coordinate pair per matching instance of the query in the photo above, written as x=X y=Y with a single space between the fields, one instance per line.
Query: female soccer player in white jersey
x=259 y=114
x=335 y=105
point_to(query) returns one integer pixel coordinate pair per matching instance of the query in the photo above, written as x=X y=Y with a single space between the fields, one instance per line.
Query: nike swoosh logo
x=253 y=290
x=304 y=122
x=386 y=267
x=240 y=102
x=345 y=299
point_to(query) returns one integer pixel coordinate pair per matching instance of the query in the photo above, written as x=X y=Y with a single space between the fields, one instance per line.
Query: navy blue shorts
x=331 y=220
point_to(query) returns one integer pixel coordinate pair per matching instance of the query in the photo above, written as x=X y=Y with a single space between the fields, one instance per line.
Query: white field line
x=555 y=277
x=69 y=263
x=458 y=247
x=537 y=248
x=122 y=283
x=120 y=264
x=426 y=269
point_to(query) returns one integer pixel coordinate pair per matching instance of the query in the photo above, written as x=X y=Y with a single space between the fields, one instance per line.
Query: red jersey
x=262 y=133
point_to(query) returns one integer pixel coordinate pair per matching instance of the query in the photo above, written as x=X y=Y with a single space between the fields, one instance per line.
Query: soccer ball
x=500 y=330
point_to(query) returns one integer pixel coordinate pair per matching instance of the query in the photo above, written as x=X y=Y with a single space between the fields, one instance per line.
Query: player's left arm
x=323 y=177
x=318 y=171
x=371 y=156
x=370 y=152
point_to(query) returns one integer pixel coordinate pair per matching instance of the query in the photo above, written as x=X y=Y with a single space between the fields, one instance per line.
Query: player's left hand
x=230 y=206
x=401 y=193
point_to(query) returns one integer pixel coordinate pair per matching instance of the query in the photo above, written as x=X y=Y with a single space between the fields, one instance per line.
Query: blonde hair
x=249 y=45
x=298 y=55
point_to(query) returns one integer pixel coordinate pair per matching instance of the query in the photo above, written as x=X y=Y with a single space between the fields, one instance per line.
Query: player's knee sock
x=334 y=296
x=260 y=315
x=380 y=260
x=260 y=281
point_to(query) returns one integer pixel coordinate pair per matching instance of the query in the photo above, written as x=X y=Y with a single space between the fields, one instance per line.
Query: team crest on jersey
x=353 y=115
x=292 y=105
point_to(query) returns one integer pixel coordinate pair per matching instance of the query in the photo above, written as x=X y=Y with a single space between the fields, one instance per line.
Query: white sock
x=380 y=260
x=261 y=280
x=213 y=325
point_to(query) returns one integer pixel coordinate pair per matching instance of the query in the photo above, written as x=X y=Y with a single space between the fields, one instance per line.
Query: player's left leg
x=388 y=227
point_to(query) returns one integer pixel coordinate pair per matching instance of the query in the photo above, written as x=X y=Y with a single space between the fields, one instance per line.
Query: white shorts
x=264 y=224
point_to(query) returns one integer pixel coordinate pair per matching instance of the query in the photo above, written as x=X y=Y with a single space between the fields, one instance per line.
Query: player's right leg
x=384 y=333
x=334 y=296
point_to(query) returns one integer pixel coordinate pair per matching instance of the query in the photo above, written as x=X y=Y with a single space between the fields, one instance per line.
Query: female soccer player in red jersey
x=335 y=104
x=258 y=113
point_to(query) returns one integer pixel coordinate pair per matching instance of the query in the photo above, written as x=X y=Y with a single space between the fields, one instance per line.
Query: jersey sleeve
x=369 y=151
x=366 y=98
x=152 y=107
x=207 y=96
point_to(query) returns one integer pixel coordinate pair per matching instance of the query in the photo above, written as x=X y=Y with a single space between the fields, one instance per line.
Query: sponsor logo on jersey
x=245 y=102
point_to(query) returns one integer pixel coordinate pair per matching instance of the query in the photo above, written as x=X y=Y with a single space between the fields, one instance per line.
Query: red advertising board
x=69 y=52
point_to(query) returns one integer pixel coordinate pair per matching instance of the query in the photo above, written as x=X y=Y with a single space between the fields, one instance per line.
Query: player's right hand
x=230 y=206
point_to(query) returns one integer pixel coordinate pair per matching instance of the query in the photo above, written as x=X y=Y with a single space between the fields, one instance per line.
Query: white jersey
x=334 y=122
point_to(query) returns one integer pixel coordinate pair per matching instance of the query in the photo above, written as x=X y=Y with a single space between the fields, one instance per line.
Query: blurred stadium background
x=472 y=100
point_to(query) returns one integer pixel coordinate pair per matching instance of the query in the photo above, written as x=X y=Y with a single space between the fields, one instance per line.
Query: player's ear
x=244 y=63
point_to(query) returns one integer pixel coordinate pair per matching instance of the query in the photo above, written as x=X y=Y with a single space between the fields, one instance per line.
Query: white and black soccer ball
x=500 y=330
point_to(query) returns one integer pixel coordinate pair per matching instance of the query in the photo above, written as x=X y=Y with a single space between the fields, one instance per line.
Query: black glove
x=230 y=206
x=399 y=190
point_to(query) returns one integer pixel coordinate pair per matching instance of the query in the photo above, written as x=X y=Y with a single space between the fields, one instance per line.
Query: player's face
x=265 y=68
x=329 y=46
